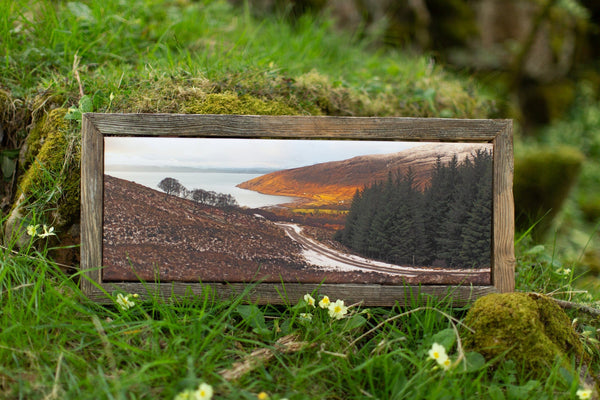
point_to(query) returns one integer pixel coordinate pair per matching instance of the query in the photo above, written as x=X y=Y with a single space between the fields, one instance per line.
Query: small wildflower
x=337 y=310
x=306 y=317
x=262 y=396
x=584 y=394
x=309 y=300
x=324 y=303
x=564 y=271
x=124 y=302
x=204 y=392
x=446 y=364
x=185 y=395
x=438 y=353
x=47 y=232
x=32 y=230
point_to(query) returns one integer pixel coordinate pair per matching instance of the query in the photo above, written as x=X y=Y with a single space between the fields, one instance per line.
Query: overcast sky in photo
x=237 y=153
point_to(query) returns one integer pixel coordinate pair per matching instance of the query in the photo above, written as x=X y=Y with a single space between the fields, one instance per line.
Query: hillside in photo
x=334 y=183
x=149 y=234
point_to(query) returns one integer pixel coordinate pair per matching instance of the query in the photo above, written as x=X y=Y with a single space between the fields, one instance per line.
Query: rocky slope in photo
x=149 y=234
x=335 y=182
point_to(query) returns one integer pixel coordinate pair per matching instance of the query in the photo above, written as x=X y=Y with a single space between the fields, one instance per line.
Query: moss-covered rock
x=529 y=329
x=543 y=179
x=49 y=187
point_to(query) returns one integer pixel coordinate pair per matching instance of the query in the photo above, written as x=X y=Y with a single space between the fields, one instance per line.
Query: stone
x=528 y=328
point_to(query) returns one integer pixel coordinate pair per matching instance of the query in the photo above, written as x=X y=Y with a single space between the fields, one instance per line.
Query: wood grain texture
x=503 y=276
x=291 y=293
x=92 y=170
x=96 y=126
x=373 y=128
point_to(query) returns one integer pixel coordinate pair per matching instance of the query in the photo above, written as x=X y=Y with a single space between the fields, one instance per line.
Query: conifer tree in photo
x=447 y=224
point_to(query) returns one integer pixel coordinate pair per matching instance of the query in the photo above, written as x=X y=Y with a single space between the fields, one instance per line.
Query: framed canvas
x=372 y=210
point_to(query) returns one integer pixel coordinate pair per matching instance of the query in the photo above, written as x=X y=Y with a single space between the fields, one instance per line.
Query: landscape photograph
x=296 y=210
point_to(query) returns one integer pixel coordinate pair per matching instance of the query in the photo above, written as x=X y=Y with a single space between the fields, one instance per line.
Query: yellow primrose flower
x=584 y=394
x=124 y=302
x=32 y=230
x=445 y=364
x=438 y=353
x=204 y=392
x=309 y=300
x=262 y=396
x=324 y=303
x=337 y=310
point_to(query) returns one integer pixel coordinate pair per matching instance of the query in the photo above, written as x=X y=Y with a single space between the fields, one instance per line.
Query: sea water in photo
x=220 y=182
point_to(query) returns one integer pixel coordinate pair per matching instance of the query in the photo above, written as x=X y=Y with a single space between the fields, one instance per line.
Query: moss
x=53 y=175
x=542 y=182
x=231 y=103
x=312 y=93
x=36 y=138
x=527 y=328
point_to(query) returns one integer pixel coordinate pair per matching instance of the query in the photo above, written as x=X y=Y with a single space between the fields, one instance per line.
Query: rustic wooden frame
x=497 y=132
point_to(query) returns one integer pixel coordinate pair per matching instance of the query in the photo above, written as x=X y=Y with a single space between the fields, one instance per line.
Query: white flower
x=438 y=353
x=583 y=394
x=445 y=364
x=47 y=232
x=204 y=392
x=337 y=310
x=124 y=302
x=309 y=300
x=324 y=303
x=32 y=230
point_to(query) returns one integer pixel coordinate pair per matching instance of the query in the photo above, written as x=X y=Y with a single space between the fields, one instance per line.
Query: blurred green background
x=534 y=61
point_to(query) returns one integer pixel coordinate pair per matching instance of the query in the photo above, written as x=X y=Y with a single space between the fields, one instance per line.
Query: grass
x=57 y=344
x=131 y=48
x=155 y=56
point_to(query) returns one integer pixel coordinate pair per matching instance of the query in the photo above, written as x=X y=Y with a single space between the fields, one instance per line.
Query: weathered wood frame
x=96 y=126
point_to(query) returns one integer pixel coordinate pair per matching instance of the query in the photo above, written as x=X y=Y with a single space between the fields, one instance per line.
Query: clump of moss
x=39 y=134
x=543 y=179
x=529 y=329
